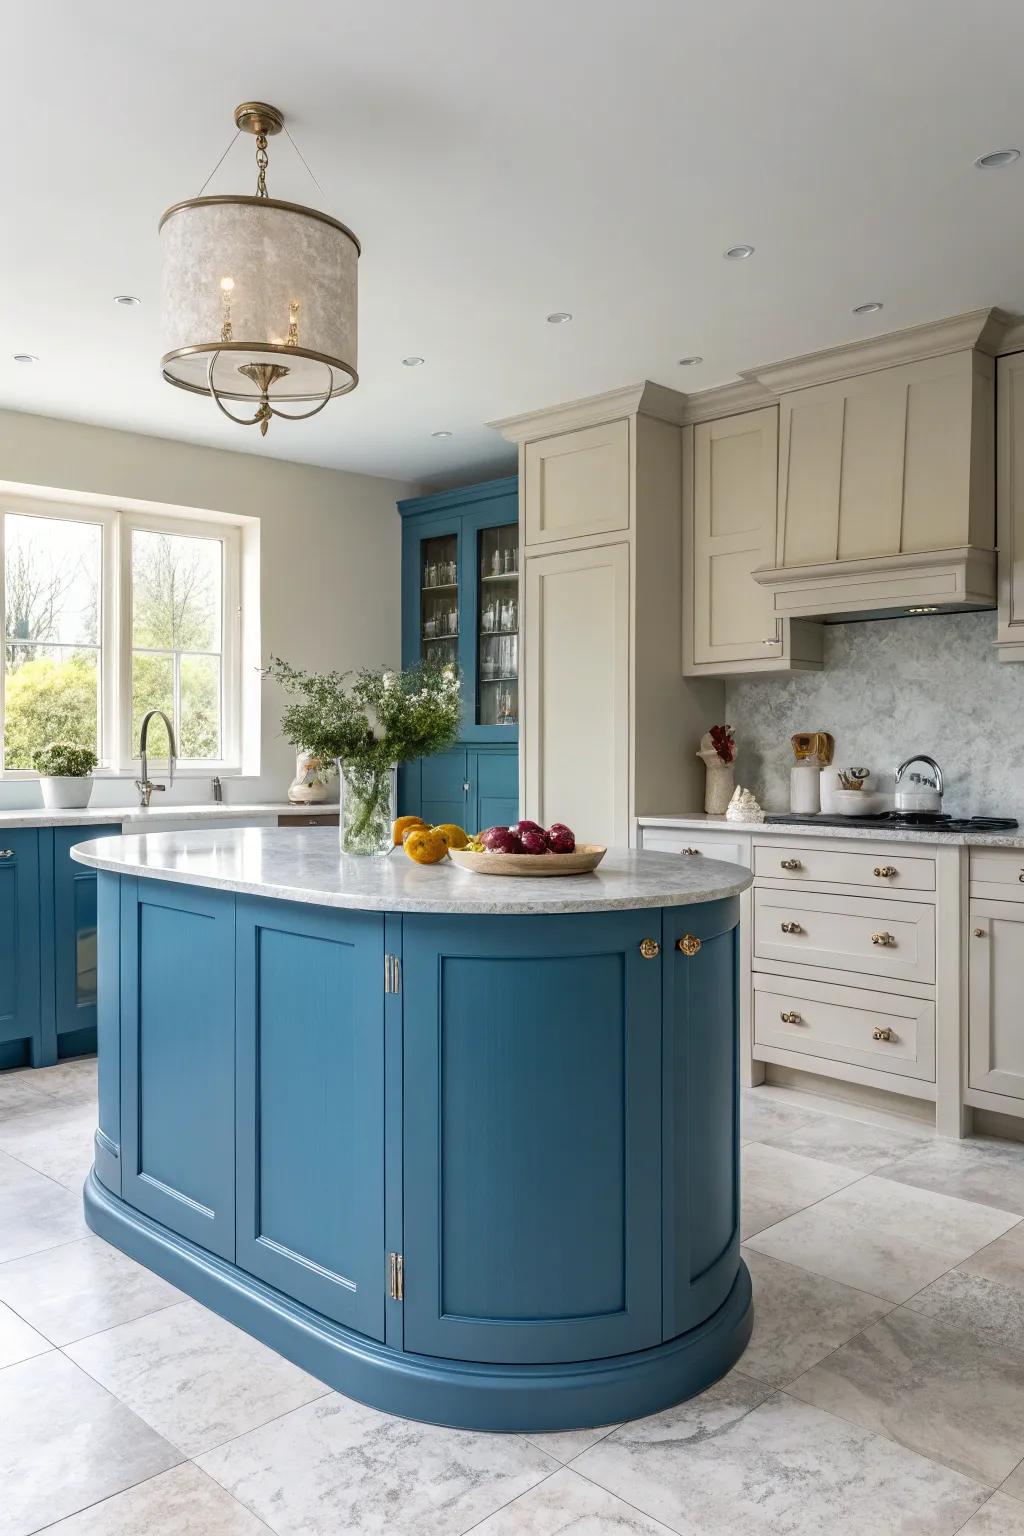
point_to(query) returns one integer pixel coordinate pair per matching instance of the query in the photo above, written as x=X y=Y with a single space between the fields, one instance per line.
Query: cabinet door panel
x=74 y=930
x=577 y=484
x=19 y=939
x=177 y=1059
x=810 y=460
x=443 y=792
x=532 y=1137
x=996 y=985
x=311 y=1107
x=495 y=793
x=577 y=690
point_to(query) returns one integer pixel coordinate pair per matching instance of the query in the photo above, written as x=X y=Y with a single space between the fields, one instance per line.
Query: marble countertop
x=140 y=815
x=700 y=822
x=274 y=863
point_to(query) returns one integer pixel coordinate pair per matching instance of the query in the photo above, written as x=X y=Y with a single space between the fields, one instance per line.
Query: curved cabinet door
x=532 y=1149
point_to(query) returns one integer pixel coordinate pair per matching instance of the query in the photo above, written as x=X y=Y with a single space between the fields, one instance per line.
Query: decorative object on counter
x=367 y=722
x=309 y=786
x=852 y=798
x=744 y=806
x=853 y=778
x=718 y=754
x=813 y=751
x=65 y=775
x=915 y=791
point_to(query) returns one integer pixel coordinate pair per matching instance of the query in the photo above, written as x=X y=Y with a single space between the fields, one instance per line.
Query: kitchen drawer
x=891 y=871
x=315 y=819
x=998 y=873
x=845 y=933
x=830 y=1023
x=677 y=840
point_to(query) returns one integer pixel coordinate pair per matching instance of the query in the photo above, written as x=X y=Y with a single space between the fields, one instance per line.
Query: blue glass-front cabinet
x=460 y=603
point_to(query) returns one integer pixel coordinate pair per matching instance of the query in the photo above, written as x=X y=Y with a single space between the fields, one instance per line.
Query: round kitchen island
x=464 y=1148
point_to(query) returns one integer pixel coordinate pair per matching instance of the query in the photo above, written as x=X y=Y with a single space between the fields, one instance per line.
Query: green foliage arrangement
x=64 y=760
x=370 y=719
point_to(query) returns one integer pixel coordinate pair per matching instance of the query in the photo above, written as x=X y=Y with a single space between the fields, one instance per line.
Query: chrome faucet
x=144 y=784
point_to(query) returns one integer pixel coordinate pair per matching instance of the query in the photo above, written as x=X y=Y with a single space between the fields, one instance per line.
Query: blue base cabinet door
x=532 y=1155
x=19 y=945
x=74 y=934
x=178 y=1059
x=310 y=1139
x=495 y=780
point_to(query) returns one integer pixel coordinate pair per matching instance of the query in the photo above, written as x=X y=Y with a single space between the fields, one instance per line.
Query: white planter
x=65 y=794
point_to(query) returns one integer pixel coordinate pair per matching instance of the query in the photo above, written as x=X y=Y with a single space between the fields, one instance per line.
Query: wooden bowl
x=586 y=858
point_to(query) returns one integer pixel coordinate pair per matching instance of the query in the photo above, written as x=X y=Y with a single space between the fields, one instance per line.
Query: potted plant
x=367 y=723
x=65 y=775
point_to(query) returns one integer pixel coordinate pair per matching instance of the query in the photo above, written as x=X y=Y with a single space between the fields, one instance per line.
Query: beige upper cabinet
x=729 y=530
x=1010 y=506
x=577 y=484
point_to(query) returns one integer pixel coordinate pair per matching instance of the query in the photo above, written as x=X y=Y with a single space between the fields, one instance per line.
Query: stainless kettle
x=917 y=791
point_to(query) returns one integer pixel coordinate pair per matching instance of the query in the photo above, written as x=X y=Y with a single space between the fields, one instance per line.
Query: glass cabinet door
x=439 y=599
x=497 y=650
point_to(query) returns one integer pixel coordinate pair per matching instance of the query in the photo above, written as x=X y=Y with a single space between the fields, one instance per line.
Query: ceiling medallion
x=259 y=296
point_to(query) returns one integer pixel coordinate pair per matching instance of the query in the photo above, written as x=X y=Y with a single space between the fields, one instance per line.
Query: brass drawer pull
x=650 y=949
x=886 y=940
x=691 y=851
x=790 y=864
x=790 y=1018
x=689 y=944
x=791 y=928
x=882 y=1034
x=979 y=933
x=6 y=853
x=886 y=871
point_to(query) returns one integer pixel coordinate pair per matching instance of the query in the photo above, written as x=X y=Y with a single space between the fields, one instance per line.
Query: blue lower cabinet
x=108 y=1031
x=444 y=788
x=495 y=780
x=532 y=1137
x=20 y=1037
x=178 y=1058
x=310 y=1107
x=74 y=970
x=475 y=787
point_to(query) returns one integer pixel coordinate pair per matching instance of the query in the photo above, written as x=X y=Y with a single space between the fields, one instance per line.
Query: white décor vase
x=719 y=786
x=309 y=786
x=65 y=794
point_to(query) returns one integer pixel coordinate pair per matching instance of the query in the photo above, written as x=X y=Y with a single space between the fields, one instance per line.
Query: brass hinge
x=396 y=1277
x=392 y=973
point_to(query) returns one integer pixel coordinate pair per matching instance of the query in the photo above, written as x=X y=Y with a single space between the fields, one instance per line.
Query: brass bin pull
x=650 y=949
x=886 y=871
x=790 y=864
x=791 y=928
x=790 y=1018
x=886 y=940
x=882 y=1034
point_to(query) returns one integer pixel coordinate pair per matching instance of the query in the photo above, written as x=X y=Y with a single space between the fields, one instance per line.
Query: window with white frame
x=107 y=614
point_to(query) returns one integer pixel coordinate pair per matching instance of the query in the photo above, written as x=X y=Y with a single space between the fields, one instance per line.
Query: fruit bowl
x=586 y=858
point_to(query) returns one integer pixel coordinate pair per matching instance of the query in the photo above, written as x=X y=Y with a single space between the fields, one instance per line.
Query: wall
x=890 y=688
x=330 y=569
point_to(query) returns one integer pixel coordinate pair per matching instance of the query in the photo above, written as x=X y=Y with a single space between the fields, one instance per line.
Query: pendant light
x=259 y=296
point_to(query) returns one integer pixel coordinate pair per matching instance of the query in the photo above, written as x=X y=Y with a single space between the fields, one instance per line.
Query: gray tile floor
x=882 y=1392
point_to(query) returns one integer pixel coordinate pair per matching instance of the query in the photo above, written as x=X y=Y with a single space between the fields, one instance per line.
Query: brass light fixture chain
x=262 y=159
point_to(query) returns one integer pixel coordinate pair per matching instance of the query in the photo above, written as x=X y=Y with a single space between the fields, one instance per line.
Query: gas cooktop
x=904 y=821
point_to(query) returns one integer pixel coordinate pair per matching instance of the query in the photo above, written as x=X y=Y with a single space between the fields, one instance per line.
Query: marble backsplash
x=890 y=688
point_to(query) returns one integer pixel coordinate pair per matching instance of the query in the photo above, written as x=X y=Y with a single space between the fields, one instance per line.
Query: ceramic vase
x=309 y=786
x=718 y=787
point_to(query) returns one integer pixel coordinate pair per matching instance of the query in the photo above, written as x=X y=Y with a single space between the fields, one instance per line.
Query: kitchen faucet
x=145 y=785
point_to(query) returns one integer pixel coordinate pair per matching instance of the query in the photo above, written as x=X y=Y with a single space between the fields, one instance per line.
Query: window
x=107 y=615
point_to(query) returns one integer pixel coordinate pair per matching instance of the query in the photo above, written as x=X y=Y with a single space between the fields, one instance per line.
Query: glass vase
x=367 y=808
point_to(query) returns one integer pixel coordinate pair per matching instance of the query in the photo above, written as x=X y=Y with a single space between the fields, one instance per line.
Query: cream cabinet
x=996 y=986
x=730 y=480
x=576 y=484
x=1010 y=506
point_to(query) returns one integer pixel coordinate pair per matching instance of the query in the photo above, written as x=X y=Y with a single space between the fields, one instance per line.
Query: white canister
x=805 y=789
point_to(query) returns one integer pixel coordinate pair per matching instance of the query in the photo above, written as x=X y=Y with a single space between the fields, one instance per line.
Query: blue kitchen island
x=464 y=1148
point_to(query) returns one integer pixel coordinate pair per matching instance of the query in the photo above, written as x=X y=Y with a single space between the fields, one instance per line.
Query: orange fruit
x=454 y=835
x=426 y=845
x=402 y=826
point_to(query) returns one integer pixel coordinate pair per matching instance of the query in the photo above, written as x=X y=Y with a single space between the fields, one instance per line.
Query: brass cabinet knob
x=691 y=851
x=6 y=853
x=886 y=940
x=979 y=933
x=882 y=1034
x=791 y=928
x=689 y=944
x=790 y=864
x=886 y=871
x=1020 y=877
x=650 y=949
x=790 y=1018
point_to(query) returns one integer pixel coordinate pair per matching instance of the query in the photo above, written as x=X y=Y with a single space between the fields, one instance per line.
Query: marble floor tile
x=992 y=1312
x=799 y=1318
x=336 y=1466
x=1002 y=1260
x=72 y=1082
x=56 y=1140
x=565 y=1445
x=932 y=1388
x=35 y=1212
x=762 y=1117
x=850 y=1143
x=774 y=1184
x=17 y=1340
x=195 y=1378
x=744 y=1461
x=999 y=1517
x=979 y=1168
x=182 y=1502
x=568 y=1505
x=82 y=1288
x=65 y=1443
x=884 y=1238
x=20 y=1092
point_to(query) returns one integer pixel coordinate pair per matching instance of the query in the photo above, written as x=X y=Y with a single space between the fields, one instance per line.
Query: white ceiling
x=499 y=162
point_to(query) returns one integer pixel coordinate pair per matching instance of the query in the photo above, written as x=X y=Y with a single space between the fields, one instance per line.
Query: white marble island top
x=276 y=864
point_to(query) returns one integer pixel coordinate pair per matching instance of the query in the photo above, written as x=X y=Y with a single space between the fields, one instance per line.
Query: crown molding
x=727 y=400
x=982 y=329
x=643 y=399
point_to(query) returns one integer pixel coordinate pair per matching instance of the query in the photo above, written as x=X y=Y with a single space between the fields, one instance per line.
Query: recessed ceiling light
x=739 y=252
x=690 y=362
x=25 y=357
x=868 y=309
x=995 y=158
x=127 y=300
x=440 y=434
x=559 y=317
x=413 y=362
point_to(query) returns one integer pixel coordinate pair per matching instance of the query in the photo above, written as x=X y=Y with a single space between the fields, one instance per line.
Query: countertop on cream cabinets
x=699 y=822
